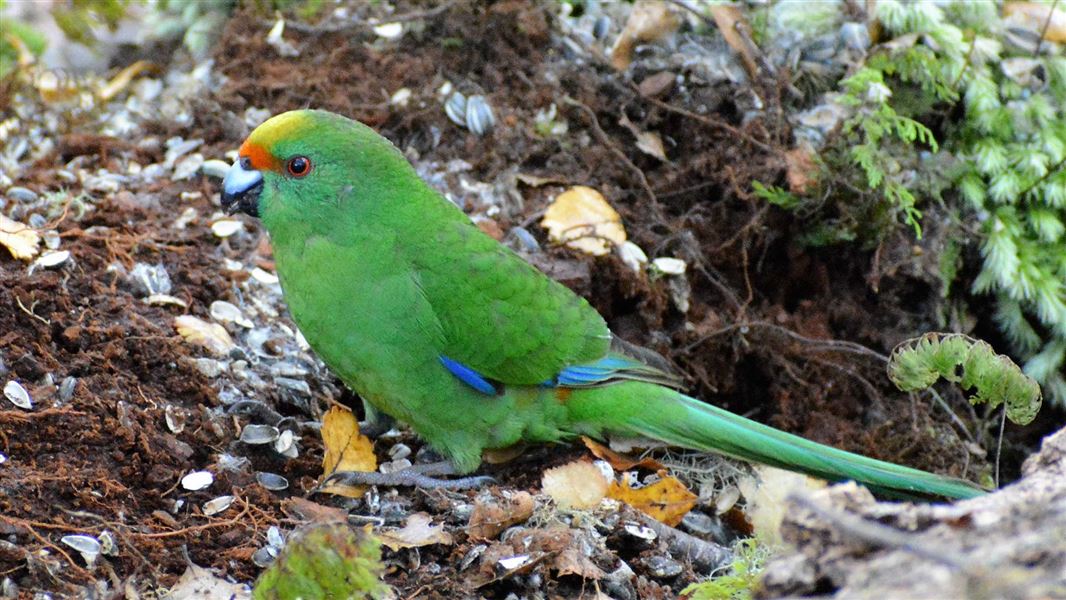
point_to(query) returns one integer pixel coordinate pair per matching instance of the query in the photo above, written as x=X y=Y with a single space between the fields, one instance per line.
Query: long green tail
x=679 y=420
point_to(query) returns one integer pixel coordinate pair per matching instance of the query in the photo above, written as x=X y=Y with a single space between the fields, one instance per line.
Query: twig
x=707 y=121
x=606 y=141
x=30 y=312
x=708 y=556
x=187 y=530
x=1043 y=30
x=999 y=442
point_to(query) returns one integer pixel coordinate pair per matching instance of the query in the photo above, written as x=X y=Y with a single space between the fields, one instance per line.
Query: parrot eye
x=299 y=166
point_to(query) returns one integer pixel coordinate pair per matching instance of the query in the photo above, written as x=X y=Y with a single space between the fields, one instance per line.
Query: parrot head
x=302 y=166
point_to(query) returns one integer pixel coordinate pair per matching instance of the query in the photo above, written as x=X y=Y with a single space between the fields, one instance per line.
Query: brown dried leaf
x=650 y=20
x=419 y=531
x=801 y=170
x=620 y=462
x=578 y=484
x=494 y=514
x=582 y=219
x=346 y=450
x=20 y=240
x=666 y=500
x=648 y=142
x=729 y=18
x=306 y=510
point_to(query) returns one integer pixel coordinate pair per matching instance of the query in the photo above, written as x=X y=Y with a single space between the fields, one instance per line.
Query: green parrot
x=440 y=326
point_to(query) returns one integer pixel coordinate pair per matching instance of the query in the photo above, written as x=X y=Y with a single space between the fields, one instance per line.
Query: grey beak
x=241 y=188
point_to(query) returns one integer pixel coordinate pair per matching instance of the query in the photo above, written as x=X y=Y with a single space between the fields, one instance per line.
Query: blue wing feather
x=469 y=376
x=609 y=369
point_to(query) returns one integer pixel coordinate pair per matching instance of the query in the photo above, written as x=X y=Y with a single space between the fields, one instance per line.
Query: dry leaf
x=346 y=450
x=122 y=80
x=198 y=583
x=419 y=531
x=201 y=333
x=648 y=142
x=21 y=240
x=656 y=85
x=1037 y=15
x=666 y=500
x=650 y=20
x=801 y=171
x=494 y=514
x=306 y=510
x=729 y=18
x=578 y=485
x=582 y=219
x=619 y=462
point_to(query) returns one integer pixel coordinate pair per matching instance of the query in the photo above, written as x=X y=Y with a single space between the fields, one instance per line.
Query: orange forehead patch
x=259 y=146
x=261 y=159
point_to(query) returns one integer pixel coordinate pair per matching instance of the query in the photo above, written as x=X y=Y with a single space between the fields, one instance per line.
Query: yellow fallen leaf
x=579 y=484
x=21 y=240
x=1046 y=18
x=649 y=21
x=419 y=531
x=202 y=333
x=582 y=219
x=666 y=500
x=730 y=19
x=346 y=450
x=123 y=79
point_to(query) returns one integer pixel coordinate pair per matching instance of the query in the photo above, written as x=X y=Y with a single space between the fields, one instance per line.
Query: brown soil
x=106 y=460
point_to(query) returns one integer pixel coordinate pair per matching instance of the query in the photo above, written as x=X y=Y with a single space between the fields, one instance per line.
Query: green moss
x=325 y=562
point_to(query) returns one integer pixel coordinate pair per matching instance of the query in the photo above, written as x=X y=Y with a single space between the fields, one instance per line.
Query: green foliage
x=77 y=18
x=996 y=167
x=776 y=196
x=325 y=561
x=918 y=363
x=748 y=561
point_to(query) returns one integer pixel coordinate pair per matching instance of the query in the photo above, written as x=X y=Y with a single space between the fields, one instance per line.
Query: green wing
x=500 y=315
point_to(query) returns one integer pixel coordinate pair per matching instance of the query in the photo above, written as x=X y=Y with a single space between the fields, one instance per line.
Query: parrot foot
x=413 y=477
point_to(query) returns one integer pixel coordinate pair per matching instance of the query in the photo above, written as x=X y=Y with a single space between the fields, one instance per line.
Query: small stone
x=148 y=279
x=175 y=418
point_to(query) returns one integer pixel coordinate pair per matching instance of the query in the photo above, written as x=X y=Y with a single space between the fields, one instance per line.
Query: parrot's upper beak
x=241 y=188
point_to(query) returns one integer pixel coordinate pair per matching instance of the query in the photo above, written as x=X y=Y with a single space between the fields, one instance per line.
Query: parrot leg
x=407 y=478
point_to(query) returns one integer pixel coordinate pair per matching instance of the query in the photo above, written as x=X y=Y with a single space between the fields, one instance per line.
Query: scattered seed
x=226 y=227
x=187 y=166
x=226 y=312
x=479 y=117
x=107 y=543
x=197 y=480
x=513 y=562
x=401 y=97
x=272 y=481
x=67 y=388
x=18 y=395
x=389 y=31
x=669 y=266
x=641 y=532
x=255 y=434
x=472 y=555
x=663 y=567
x=175 y=418
x=86 y=545
x=216 y=505
x=215 y=168
x=264 y=556
x=633 y=256
x=286 y=444
x=264 y=277
x=52 y=259
x=455 y=108
x=21 y=194
x=162 y=299
x=399 y=451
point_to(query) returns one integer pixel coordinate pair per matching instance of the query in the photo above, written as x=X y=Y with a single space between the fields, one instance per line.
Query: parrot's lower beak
x=241 y=188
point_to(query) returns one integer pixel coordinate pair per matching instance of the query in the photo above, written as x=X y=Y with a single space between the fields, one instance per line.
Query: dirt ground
x=761 y=336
